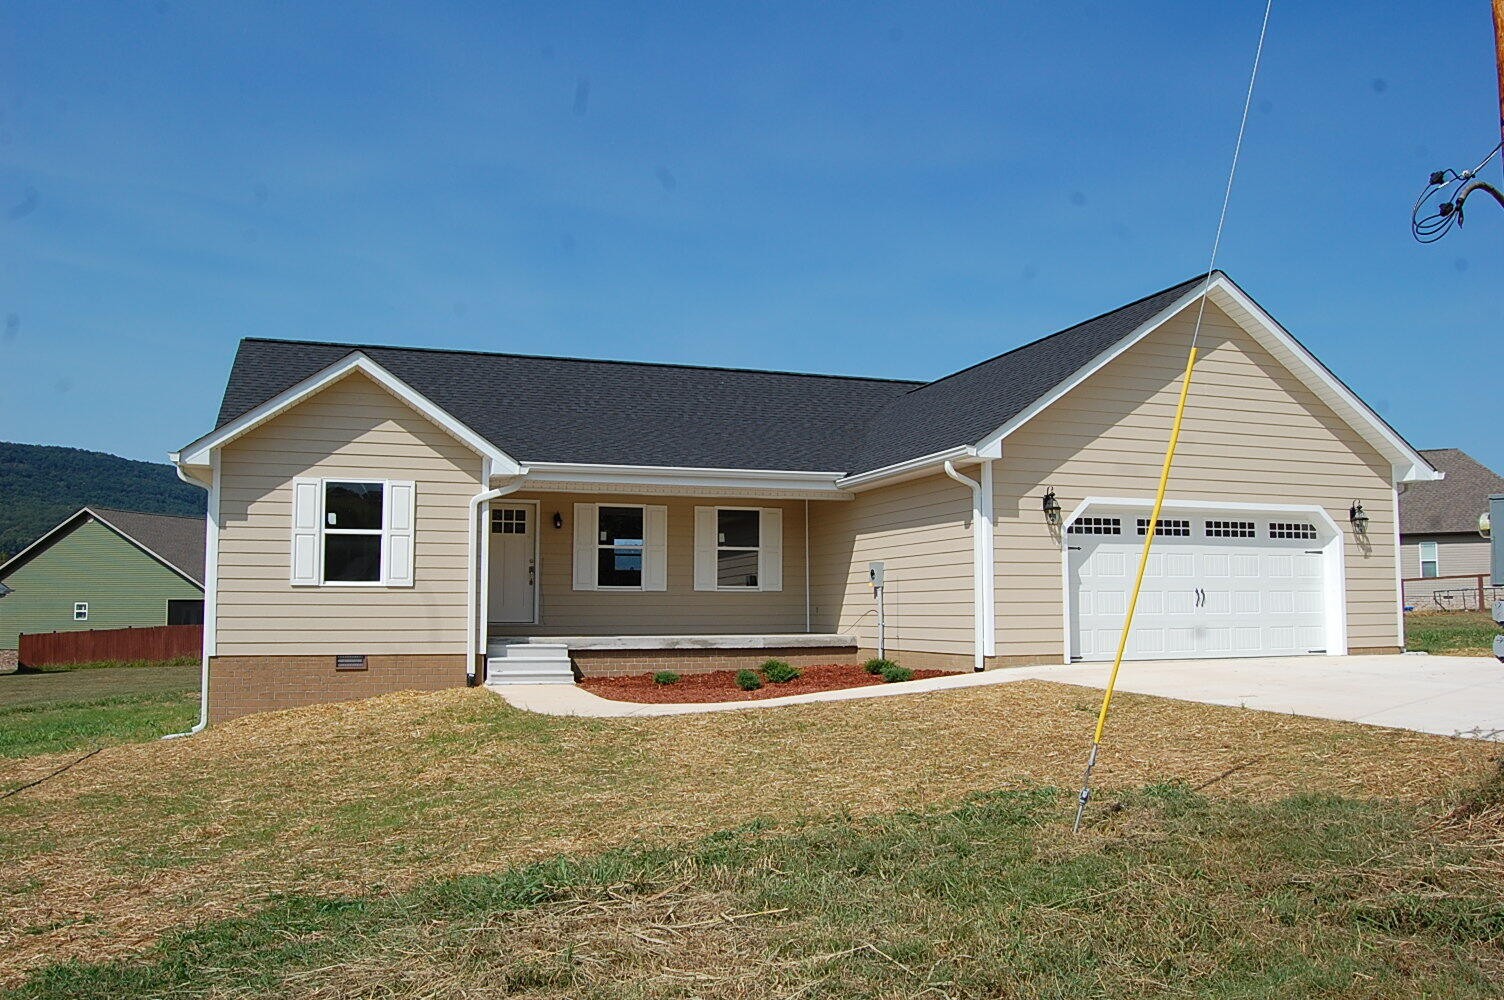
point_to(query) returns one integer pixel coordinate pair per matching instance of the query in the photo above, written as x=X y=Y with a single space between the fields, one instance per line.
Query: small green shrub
x=665 y=677
x=893 y=672
x=779 y=672
x=877 y=666
x=748 y=680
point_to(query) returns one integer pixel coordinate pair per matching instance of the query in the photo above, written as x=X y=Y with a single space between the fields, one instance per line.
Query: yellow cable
x=1143 y=563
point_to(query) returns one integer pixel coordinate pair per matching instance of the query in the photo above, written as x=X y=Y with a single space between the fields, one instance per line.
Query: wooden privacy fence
x=158 y=642
x=1434 y=594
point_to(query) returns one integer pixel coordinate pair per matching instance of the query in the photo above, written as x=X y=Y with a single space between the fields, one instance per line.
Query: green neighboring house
x=100 y=569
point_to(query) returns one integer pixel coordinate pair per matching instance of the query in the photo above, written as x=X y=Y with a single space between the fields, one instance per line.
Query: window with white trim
x=1096 y=526
x=353 y=532
x=620 y=546
x=620 y=540
x=1231 y=529
x=1174 y=527
x=1292 y=529
x=1430 y=560
x=80 y=611
x=739 y=548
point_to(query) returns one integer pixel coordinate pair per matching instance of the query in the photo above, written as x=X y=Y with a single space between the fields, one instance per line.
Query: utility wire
x=1164 y=476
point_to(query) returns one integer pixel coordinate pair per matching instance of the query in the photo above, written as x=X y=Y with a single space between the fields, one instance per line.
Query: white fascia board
x=907 y=469
x=670 y=476
x=1408 y=464
x=991 y=445
x=197 y=453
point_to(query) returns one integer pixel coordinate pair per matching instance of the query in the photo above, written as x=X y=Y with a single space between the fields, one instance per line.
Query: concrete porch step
x=528 y=663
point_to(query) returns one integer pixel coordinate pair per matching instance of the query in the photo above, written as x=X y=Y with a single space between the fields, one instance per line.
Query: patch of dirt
x=721 y=685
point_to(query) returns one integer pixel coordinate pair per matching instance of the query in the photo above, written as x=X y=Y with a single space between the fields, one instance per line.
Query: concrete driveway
x=1450 y=695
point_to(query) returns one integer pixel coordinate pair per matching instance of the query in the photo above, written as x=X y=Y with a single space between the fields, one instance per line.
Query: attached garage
x=1221 y=581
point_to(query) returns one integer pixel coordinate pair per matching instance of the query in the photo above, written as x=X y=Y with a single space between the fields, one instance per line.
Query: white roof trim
x=773 y=480
x=907 y=469
x=16 y=559
x=1407 y=465
x=197 y=453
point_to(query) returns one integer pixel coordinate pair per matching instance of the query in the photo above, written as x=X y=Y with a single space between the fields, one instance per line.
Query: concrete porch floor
x=1447 y=695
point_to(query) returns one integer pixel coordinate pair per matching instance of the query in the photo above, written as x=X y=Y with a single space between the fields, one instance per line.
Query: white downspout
x=981 y=559
x=472 y=598
x=808 y=621
x=211 y=591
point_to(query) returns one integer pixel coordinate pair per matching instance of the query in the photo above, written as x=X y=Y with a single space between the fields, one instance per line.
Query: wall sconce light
x=1051 y=508
x=558 y=520
x=1356 y=515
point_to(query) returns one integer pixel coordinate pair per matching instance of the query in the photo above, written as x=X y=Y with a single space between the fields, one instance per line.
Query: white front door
x=1232 y=584
x=514 y=567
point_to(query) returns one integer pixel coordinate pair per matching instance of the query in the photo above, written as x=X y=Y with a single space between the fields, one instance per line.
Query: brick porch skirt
x=242 y=685
x=625 y=662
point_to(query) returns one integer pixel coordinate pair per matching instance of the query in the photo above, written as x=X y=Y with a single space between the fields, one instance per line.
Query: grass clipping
x=375 y=796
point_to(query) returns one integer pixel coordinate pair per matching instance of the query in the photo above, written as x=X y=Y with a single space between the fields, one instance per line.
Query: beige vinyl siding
x=354 y=428
x=1455 y=554
x=921 y=529
x=1253 y=433
x=680 y=609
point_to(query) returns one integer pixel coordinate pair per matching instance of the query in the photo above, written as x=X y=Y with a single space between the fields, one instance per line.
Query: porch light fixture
x=558 y=520
x=1051 y=508
x=1356 y=515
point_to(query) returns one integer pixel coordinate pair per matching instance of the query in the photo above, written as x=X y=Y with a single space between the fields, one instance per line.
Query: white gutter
x=981 y=560
x=907 y=466
x=472 y=578
x=211 y=591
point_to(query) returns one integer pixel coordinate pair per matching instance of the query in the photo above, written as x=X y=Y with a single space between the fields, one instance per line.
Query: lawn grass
x=60 y=711
x=63 y=668
x=1451 y=633
x=1175 y=894
x=381 y=796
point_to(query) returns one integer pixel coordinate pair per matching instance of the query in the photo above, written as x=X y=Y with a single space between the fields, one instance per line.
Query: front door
x=514 y=570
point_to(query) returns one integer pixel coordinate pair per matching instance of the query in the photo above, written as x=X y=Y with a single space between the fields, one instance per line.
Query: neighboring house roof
x=1450 y=505
x=567 y=410
x=177 y=542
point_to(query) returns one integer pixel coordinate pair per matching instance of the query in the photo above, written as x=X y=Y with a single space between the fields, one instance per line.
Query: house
x=103 y=568
x=384 y=518
x=1443 y=559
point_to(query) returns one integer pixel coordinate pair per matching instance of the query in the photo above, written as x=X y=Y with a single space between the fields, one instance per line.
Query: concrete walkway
x=1450 y=695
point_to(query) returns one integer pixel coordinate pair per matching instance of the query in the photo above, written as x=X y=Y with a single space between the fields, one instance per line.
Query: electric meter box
x=875 y=574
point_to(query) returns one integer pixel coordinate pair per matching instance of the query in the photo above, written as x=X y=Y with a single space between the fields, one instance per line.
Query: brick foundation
x=7 y=661
x=625 y=662
x=242 y=685
x=1374 y=650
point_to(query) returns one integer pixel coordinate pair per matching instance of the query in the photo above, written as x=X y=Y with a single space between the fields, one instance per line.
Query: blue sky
x=894 y=190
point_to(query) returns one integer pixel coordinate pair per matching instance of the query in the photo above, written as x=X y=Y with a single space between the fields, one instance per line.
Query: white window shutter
x=401 y=515
x=705 y=541
x=770 y=554
x=306 y=501
x=585 y=561
x=655 y=548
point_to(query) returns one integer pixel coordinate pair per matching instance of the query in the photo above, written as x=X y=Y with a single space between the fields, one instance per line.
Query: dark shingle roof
x=1450 y=505
x=542 y=409
x=178 y=541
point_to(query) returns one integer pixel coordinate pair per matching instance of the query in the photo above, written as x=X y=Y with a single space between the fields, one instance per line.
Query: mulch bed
x=721 y=685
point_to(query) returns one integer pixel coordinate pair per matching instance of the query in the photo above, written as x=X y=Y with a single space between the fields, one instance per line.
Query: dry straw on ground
x=377 y=795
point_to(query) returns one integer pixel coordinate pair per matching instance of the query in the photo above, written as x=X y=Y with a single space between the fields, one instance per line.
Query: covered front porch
x=612 y=581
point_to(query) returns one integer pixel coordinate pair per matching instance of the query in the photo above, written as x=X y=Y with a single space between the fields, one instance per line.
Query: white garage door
x=1216 y=585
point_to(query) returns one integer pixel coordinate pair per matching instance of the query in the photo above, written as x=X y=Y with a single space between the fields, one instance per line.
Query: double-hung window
x=353 y=532
x=620 y=546
x=738 y=548
x=1430 y=560
x=620 y=543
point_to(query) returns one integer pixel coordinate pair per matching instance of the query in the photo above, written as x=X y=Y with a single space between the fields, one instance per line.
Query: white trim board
x=1407 y=465
x=196 y=453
